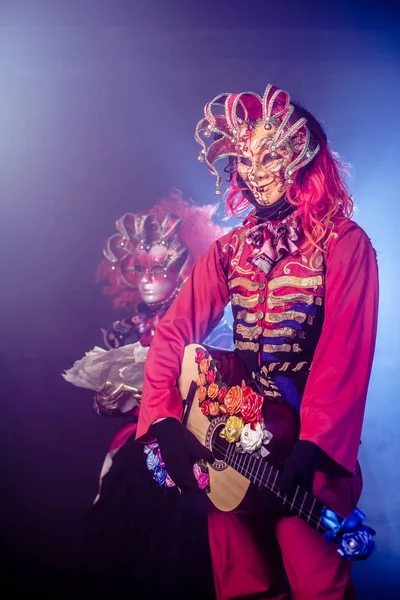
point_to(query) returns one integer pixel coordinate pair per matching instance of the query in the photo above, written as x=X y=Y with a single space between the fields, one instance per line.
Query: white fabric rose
x=252 y=439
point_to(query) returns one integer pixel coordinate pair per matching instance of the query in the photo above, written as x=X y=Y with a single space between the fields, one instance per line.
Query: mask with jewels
x=148 y=257
x=151 y=254
x=267 y=141
x=157 y=266
x=262 y=169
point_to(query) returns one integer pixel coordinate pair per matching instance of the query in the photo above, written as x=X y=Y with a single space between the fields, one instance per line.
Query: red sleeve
x=196 y=310
x=332 y=409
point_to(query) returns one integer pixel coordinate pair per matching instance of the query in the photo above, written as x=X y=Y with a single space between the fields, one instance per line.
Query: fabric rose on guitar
x=158 y=453
x=152 y=461
x=200 y=355
x=233 y=399
x=156 y=465
x=200 y=471
x=251 y=439
x=212 y=389
x=211 y=376
x=201 y=380
x=160 y=475
x=254 y=439
x=214 y=409
x=232 y=430
x=222 y=393
x=205 y=408
x=202 y=393
x=204 y=365
x=251 y=406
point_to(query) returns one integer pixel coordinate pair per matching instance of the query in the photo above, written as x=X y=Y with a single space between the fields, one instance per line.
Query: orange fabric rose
x=202 y=393
x=214 y=409
x=233 y=399
x=204 y=365
x=201 y=380
x=213 y=390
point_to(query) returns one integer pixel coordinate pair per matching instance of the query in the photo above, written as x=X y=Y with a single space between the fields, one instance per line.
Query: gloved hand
x=116 y=400
x=299 y=468
x=179 y=450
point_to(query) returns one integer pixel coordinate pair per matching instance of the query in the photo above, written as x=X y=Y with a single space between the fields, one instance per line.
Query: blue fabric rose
x=152 y=461
x=354 y=539
x=160 y=475
x=356 y=546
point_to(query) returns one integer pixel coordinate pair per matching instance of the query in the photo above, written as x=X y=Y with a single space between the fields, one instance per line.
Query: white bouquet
x=99 y=367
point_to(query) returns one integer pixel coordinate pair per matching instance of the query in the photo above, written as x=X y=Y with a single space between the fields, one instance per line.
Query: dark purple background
x=98 y=102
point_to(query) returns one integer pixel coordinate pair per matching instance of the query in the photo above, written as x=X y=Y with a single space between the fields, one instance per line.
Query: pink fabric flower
x=222 y=394
x=205 y=408
x=200 y=354
x=203 y=480
x=162 y=463
x=196 y=470
x=211 y=376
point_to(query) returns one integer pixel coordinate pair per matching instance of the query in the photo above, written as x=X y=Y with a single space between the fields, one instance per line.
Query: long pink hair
x=318 y=191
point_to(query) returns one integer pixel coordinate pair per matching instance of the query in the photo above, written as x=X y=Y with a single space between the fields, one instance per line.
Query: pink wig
x=318 y=190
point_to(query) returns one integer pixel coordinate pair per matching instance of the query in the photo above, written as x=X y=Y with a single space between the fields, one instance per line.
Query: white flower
x=252 y=439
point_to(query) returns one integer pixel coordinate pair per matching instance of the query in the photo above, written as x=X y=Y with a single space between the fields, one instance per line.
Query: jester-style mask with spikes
x=263 y=135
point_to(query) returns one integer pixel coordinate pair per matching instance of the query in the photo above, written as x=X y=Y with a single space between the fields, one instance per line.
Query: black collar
x=274 y=212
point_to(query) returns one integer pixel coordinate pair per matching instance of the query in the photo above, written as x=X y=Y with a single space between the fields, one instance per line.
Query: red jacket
x=313 y=307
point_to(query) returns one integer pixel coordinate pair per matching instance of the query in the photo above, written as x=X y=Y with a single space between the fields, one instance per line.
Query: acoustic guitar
x=232 y=472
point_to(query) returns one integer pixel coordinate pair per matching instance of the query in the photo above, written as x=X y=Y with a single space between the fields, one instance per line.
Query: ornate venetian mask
x=263 y=134
x=148 y=256
x=151 y=254
x=261 y=165
x=156 y=280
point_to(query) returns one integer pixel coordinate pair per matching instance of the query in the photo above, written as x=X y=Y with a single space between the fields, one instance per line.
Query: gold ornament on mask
x=263 y=134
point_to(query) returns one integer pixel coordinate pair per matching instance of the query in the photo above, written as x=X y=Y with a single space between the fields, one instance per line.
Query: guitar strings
x=274 y=490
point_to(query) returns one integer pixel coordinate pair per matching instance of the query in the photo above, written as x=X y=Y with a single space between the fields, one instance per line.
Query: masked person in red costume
x=145 y=265
x=137 y=525
x=302 y=280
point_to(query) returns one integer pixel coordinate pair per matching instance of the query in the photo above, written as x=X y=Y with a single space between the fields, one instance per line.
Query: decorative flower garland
x=156 y=466
x=245 y=423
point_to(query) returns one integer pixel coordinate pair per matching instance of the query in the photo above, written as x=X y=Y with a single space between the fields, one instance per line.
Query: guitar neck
x=300 y=503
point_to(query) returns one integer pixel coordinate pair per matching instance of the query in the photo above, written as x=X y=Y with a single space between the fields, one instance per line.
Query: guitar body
x=228 y=487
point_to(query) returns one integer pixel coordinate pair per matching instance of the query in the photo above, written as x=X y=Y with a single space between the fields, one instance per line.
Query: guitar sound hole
x=219 y=445
x=216 y=444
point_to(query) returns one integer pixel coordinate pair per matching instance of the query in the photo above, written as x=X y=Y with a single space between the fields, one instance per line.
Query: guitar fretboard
x=301 y=503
